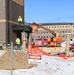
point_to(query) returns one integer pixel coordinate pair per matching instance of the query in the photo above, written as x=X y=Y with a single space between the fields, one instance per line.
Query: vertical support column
x=67 y=44
x=35 y=36
x=24 y=41
x=30 y=38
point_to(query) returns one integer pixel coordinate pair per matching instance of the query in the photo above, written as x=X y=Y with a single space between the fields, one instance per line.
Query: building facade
x=61 y=28
x=9 y=12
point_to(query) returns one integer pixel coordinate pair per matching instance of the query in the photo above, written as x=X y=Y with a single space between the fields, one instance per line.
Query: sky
x=49 y=11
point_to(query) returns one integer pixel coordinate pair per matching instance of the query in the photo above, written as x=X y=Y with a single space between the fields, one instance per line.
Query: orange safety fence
x=64 y=56
x=34 y=50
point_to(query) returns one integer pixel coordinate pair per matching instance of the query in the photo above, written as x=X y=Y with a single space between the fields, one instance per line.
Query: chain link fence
x=14 y=62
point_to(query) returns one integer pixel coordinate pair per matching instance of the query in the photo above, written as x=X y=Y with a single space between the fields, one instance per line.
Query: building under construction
x=9 y=12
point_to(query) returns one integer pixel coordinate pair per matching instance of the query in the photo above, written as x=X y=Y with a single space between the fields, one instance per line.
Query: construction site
x=36 y=56
x=55 y=58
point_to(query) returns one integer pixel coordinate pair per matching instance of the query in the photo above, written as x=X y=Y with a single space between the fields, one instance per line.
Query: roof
x=61 y=23
x=56 y=23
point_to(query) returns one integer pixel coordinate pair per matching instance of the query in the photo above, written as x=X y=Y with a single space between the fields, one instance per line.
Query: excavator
x=54 y=41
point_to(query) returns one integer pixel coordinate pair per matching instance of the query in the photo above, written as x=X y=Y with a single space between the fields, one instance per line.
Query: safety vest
x=20 y=19
x=17 y=41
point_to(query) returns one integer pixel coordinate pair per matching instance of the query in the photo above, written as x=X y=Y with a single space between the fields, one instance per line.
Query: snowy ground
x=49 y=65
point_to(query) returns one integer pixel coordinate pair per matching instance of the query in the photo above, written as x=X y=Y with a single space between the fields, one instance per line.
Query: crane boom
x=51 y=31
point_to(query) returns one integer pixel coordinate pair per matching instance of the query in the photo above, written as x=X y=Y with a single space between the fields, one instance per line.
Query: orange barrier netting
x=64 y=56
x=34 y=50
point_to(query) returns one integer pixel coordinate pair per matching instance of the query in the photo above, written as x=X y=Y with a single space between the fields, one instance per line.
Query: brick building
x=9 y=12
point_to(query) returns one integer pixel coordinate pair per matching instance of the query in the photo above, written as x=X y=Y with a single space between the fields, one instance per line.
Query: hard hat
x=19 y=16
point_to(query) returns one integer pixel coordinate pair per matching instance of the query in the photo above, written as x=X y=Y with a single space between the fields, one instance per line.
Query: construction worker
x=18 y=43
x=20 y=20
x=56 y=33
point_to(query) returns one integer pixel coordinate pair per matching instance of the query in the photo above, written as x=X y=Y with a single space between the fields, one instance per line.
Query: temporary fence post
x=67 y=44
x=11 y=58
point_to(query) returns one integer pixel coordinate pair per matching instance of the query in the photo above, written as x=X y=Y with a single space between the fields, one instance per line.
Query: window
x=47 y=36
x=66 y=26
x=60 y=26
x=63 y=36
x=41 y=32
x=44 y=36
x=38 y=36
x=60 y=31
x=54 y=26
x=57 y=26
x=46 y=32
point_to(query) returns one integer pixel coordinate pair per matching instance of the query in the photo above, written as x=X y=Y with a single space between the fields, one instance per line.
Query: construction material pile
x=20 y=60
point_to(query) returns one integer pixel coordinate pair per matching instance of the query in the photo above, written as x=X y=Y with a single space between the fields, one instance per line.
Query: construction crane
x=54 y=41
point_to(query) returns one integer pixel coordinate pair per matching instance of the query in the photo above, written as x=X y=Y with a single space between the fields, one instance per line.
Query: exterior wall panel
x=2 y=32
x=2 y=9
x=9 y=12
x=18 y=2
x=19 y=12
x=2 y=21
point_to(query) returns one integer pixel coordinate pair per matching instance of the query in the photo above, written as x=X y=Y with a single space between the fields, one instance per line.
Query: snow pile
x=49 y=65
x=59 y=66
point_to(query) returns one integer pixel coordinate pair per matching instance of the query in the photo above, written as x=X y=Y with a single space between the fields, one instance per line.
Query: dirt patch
x=20 y=60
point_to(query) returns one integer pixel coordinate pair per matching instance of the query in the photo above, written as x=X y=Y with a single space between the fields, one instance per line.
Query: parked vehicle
x=72 y=47
x=40 y=42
